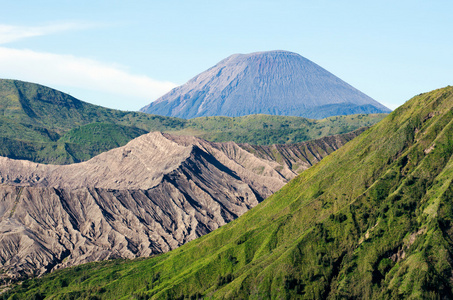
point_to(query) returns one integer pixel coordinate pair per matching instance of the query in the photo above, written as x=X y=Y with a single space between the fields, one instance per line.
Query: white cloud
x=113 y=86
x=9 y=33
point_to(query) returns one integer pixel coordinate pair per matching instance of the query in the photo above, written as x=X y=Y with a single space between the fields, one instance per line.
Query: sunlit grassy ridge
x=372 y=220
x=44 y=125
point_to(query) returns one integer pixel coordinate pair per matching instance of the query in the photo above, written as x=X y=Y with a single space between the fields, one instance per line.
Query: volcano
x=274 y=82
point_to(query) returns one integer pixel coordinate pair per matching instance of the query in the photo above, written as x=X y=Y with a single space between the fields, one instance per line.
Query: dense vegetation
x=372 y=220
x=267 y=129
x=43 y=125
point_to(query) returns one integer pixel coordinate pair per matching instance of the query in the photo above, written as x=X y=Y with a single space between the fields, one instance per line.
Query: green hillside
x=79 y=144
x=44 y=125
x=373 y=220
x=43 y=107
x=267 y=129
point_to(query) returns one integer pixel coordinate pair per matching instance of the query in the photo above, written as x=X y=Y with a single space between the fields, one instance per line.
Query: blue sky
x=125 y=54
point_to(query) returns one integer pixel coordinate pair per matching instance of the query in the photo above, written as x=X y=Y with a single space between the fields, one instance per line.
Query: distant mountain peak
x=272 y=82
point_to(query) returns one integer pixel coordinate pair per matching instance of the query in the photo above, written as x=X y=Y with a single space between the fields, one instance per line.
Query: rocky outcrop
x=273 y=82
x=148 y=197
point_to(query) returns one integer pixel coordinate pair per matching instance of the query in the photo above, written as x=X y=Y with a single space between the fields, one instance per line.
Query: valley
x=371 y=220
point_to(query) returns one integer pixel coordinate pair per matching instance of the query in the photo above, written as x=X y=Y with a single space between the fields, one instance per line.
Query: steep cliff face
x=274 y=82
x=150 y=196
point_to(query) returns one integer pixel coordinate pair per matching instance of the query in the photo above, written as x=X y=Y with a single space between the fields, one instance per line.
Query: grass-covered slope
x=372 y=220
x=43 y=107
x=44 y=125
x=79 y=144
